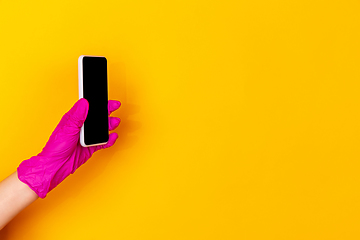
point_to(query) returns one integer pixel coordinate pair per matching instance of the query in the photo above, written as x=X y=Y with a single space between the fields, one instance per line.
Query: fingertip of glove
x=113 y=135
x=81 y=108
x=112 y=138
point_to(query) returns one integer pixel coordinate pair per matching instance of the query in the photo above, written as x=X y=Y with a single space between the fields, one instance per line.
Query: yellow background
x=240 y=119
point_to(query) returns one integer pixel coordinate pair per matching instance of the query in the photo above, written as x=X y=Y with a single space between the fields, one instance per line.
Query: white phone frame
x=81 y=95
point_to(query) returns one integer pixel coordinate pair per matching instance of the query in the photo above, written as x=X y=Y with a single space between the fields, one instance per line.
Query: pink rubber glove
x=63 y=154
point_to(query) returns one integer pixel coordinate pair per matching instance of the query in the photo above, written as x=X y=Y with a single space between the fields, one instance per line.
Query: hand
x=63 y=153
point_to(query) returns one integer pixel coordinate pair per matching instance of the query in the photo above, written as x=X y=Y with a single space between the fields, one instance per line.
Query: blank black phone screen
x=96 y=125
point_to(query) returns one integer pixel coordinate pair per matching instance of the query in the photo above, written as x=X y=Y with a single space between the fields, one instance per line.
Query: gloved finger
x=65 y=118
x=78 y=113
x=112 y=140
x=113 y=123
x=113 y=105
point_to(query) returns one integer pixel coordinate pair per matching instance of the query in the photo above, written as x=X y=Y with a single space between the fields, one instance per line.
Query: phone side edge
x=81 y=95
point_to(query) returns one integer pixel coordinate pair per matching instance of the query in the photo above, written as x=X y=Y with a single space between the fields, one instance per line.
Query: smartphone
x=93 y=86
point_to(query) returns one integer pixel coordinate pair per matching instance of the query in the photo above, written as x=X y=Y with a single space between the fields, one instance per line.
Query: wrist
x=33 y=173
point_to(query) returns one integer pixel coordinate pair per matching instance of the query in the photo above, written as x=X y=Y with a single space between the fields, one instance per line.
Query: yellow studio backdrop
x=240 y=119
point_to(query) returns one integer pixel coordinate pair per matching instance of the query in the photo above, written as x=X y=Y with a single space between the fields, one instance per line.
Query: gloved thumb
x=78 y=113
